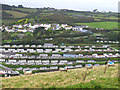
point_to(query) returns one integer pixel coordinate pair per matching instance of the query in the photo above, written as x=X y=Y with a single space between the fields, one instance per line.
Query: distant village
x=30 y=28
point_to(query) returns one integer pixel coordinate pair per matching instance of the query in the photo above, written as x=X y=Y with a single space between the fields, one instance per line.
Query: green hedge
x=38 y=66
x=72 y=59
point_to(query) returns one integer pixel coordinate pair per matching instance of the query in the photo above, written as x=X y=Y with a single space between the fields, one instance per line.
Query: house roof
x=68 y=26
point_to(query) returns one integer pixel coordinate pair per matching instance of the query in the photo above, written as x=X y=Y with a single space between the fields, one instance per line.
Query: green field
x=72 y=79
x=14 y=34
x=16 y=14
x=26 y=10
x=107 y=17
x=105 y=25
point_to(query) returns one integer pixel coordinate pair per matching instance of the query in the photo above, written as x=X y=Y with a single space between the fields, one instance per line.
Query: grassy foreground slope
x=105 y=25
x=71 y=79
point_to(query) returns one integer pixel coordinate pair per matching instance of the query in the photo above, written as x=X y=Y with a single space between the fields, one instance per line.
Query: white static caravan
x=79 y=61
x=55 y=67
x=12 y=60
x=78 y=66
x=43 y=55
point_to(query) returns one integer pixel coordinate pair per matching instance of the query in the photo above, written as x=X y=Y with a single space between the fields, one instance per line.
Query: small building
x=77 y=28
x=68 y=27
x=63 y=25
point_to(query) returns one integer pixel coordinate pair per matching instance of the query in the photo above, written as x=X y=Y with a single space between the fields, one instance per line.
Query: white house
x=17 y=26
x=68 y=27
x=77 y=28
x=20 y=26
x=46 y=26
x=64 y=25
x=10 y=30
x=22 y=30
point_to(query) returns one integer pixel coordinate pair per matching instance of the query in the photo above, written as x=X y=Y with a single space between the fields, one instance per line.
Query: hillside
x=71 y=79
x=105 y=25
x=11 y=14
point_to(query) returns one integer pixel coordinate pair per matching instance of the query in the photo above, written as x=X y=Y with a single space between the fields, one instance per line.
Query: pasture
x=72 y=79
x=105 y=25
x=16 y=14
x=29 y=10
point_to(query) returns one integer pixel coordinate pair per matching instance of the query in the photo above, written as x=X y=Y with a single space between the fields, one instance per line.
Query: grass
x=8 y=41
x=27 y=33
x=68 y=13
x=16 y=14
x=46 y=14
x=93 y=84
x=97 y=19
x=107 y=17
x=1 y=67
x=7 y=21
x=14 y=34
x=105 y=25
x=26 y=10
x=71 y=79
